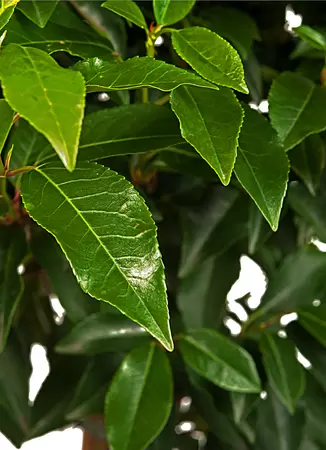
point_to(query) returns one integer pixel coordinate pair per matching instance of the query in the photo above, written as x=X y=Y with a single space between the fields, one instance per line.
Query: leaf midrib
x=135 y=138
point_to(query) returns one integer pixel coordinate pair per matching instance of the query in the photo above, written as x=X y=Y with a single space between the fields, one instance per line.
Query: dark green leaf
x=9 y=428
x=12 y=251
x=210 y=121
x=6 y=119
x=146 y=128
x=220 y=360
x=127 y=9
x=37 y=11
x=136 y=73
x=311 y=36
x=211 y=56
x=102 y=333
x=242 y=405
x=41 y=99
x=315 y=411
x=313 y=319
x=143 y=387
x=121 y=267
x=262 y=166
x=171 y=11
x=258 y=230
x=294 y=105
x=308 y=161
x=284 y=372
x=276 y=428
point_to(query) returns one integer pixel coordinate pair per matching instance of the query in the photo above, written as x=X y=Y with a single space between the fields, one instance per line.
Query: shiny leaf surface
x=171 y=11
x=127 y=9
x=38 y=12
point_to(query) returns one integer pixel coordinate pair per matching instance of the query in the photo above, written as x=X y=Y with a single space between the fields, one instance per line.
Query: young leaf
x=146 y=128
x=294 y=105
x=127 y=9
x=108 y=236
x=313 y=319
x=262 y=166
x=308 y=161
x=38 y=12
x=210 y=121
x=102 y=332
x=211 y=56
x=135 y=73
x=142 y=383
x=284 y=372
x=12 y=251
x=311 y=36
x=51 y=98
x=6 y=116
x=168 y=12
x=220 y=360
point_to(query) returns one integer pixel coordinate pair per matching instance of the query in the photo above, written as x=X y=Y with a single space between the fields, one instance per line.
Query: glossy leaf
x=210 y=121
x=6 y=11
x=211 y=56
x=262 y=166
x=135 y=388
x=313 y=319
x=136 y=73
x=6 y=119
x=220 y=360
x=311 y=36
x=308 y=161
x=12 y=251
x=129 y=259
x=127 y=9
x=57 y=37
x=146 y=128
x=171 y=11
x=102 y=333
x=52 y=101
x=284 y=372
x=294 y=102
x=38 y=12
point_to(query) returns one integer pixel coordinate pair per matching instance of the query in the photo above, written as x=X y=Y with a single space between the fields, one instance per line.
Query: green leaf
x=308 y=161
x=83 y=42
x=37 y=11
x=9 y=428
x=41 y=99
x=171 y=11
x=142 y=383
x=210 y=121
x=315 y=412
x=211 y=56
x=127 y=9
x=135 y=73
x=220 y=360
x=146 y=128
x=276 y=428
x=258 y=229
x=311 y=36
x=294 y=105
x=102 y=333
x=6 y=12
x=262 y=166
x=6 y=119
x=313 y=319
x=121 y=267
x=12 y=251
x=76 y=303
x=284 y=372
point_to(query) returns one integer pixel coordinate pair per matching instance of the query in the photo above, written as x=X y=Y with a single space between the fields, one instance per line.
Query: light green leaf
x=211 y=56
x=6 y=119
x=37 y=11
x=220 y=360
x=135 y=73
x=308 y=161
x=313 y=319
x=108 y=236
x=12 y=251
x=262 y=166
x=6 y=11
x=127 y=9
x=171 y=11
x=102 y=332
x=311 y=36
x=210 y=121
x=146 y=128
x=143 y=387
x=284 y=371
x=82 y=42
x=51 y=98
x=294 y=105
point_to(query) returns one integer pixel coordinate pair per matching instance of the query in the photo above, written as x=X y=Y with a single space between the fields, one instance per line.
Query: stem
x=144 y=95
x=5 y=196
x=163 y=100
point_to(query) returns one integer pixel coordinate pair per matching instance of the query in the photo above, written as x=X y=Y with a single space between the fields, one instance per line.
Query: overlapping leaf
x=6 y=11
x=38 y=12
x=6 y=115
x=171 y=11
x=127 y=9
x=313 y=319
